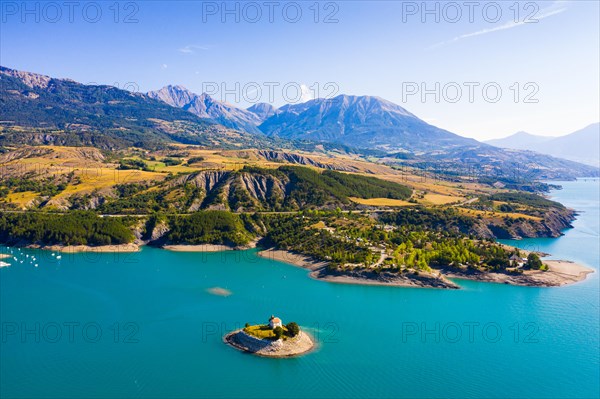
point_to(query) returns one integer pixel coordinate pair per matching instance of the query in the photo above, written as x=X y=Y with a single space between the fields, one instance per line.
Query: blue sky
x=389 y=49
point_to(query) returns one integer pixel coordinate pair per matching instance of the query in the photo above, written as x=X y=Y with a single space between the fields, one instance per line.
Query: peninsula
x=550 y=273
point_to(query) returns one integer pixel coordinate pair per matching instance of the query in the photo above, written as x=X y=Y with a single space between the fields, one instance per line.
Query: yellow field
x=440 y=199
x=22 y=199
x=381 y=202
x=157 y=166
x=512 y=215
x=437 y=192
x=102 y=178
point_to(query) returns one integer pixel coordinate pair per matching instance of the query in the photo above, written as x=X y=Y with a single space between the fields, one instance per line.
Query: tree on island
x=278 y=331
x=534 y=262
x=293 y=328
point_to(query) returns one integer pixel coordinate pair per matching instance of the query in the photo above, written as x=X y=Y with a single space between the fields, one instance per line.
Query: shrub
x=135 y=164
x=534 y=262
x=195 y=160
x=172 y=162
x=293 y=329
x=278 y=331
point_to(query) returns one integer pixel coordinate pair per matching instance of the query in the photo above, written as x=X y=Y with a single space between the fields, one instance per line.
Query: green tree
x=278 y=331
x=293 y=328
x=533 y=261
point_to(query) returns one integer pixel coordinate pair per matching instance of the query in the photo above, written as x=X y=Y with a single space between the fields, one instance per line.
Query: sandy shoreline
x=88 y=248
x=198 y=248
x=563 y=272
x=559 y=273
x=292 y=258
x=207 y=247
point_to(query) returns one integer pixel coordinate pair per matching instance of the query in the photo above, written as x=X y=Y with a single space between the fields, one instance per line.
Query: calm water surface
x=144 y=325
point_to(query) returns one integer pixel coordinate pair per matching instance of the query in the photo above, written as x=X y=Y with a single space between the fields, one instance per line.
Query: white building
x=275 y=322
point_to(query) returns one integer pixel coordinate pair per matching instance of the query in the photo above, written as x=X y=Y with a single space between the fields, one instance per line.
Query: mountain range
x=580 y=146
x=357 y=121
x=360 y=121
x=37 y=109
x=206 y=107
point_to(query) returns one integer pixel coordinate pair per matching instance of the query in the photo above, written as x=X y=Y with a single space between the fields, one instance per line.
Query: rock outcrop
x=302 y=343
x=551 y=225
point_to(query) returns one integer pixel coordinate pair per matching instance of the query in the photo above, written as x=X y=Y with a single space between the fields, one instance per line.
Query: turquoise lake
x=145 y=325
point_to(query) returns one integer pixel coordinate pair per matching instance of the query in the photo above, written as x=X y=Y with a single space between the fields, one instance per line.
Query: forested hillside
x=287 y=188
x=75 y=228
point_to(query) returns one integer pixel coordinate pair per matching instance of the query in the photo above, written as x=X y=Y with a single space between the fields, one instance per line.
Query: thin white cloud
x=164 y=66
x=554 y=9
x=192 y=48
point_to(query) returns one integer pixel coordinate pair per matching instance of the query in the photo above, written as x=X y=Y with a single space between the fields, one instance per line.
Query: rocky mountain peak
x=32 y=80
x=262 y=110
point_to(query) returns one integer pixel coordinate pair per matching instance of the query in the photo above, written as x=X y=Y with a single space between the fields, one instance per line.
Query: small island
x=273 y=339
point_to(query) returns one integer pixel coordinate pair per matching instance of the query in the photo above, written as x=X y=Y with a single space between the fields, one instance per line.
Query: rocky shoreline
x=366 y=277
x=198 y=248
x=320 y=271
x=298 y=345
x=555 y=220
